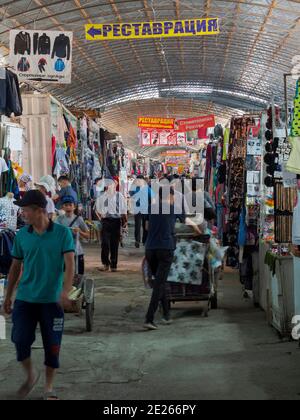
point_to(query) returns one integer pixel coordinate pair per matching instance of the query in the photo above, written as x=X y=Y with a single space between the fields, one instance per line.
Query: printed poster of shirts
x=253 y=190
x=289 y=179
x=253 y=177
x=254 y=147
x=41 y=55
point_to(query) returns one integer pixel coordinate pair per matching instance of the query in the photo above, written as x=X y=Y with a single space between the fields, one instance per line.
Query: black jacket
x=62 y=47
x=22 y=43
x=42 y=44
x=2 y=90
x=11 y=101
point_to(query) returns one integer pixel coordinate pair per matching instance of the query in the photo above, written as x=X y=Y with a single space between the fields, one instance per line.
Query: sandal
x=50 y=396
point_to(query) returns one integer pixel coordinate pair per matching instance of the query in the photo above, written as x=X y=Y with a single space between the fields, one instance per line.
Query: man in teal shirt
x=42 y=250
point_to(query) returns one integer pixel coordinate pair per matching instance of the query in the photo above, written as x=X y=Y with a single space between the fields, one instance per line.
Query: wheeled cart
x=206 y=292
x=83 y=298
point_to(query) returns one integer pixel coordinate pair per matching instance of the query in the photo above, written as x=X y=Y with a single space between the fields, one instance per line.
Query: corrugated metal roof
x=241 y=68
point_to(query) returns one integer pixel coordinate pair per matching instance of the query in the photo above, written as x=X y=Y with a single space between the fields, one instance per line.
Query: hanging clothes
x=10 y=95
x=296 y=223
x=61 y=163
x=6 y=244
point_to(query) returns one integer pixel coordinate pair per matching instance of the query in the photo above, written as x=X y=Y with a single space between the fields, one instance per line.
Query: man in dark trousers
x=112 y=208
x=141 y=195
x=160 y=247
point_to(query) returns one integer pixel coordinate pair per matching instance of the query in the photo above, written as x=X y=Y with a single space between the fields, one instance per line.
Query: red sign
x=192 y=124
x=156 y=137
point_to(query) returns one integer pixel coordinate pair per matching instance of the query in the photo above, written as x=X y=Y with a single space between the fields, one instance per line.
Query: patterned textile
x=8 y=213
x=188 y=263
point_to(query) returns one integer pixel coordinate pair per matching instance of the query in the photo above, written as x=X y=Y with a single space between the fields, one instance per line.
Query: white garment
x=97 y=172
x=296 y=223
x=50 y=205
x=3 y=166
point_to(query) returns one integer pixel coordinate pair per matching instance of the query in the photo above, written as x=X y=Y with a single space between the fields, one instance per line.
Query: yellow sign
x=146 y=30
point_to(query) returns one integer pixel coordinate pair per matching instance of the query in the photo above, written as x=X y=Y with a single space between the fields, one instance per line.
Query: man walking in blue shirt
x=42 y=250
x=160 y=247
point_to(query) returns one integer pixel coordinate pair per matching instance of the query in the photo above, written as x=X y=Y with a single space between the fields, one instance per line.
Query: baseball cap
x=32 y=198
x=68 y=199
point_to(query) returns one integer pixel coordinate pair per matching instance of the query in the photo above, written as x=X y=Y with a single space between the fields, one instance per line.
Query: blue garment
x=242 y=238
x=59 y=65
x=25 y=318
x=220 y=217
x=161 y=231
x=43 y=257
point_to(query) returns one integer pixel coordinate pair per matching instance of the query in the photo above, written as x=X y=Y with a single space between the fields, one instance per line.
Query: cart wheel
x=214 y=302
x=89 y=315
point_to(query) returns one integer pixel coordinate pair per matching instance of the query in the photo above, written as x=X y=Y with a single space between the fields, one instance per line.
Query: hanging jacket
x=62 y=47
x=2 y=91
x=35 y=42
x=22 y=43
x=42 y=44
x=6 y=244
x=242 y=236
x=13 y=95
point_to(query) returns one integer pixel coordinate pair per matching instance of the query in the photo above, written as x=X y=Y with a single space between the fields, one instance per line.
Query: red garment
x=116 y=178
x=202 y=133
x=255 y=129
x=22 y=193
x=53 y=150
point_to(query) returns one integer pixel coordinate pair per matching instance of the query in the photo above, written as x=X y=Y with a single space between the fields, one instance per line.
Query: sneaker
x=113 y=270
x=150 y=326
x=166 y=321
x=137 y=244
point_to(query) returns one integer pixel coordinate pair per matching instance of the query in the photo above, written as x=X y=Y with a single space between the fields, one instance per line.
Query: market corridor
x=232 y=354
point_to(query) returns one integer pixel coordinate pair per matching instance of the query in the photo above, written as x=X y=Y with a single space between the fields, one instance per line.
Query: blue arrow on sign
x=93 y=32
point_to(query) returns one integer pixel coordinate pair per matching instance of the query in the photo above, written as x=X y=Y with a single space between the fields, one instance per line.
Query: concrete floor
x=232 y=354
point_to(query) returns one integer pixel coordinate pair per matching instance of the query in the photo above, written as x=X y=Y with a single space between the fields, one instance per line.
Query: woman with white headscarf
x=24 y=183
